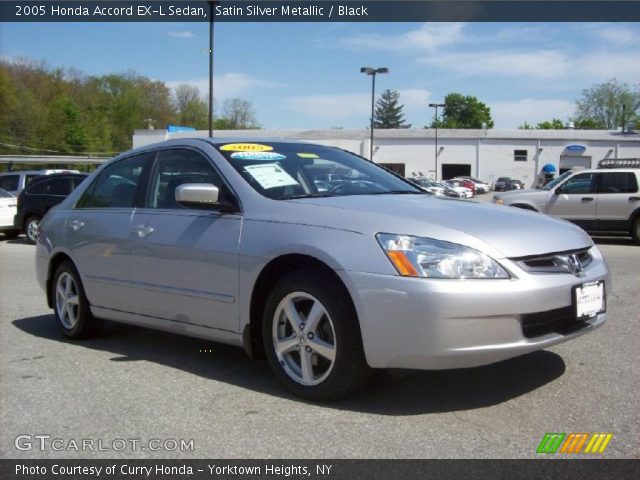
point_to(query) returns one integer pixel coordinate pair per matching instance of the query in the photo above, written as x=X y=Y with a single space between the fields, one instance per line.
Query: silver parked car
x=598 y=200
x=234 y=242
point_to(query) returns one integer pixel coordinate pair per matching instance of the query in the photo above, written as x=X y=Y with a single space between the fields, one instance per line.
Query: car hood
x=498 y=230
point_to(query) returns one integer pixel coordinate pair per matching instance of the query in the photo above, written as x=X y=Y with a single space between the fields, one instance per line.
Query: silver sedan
x=234 y=241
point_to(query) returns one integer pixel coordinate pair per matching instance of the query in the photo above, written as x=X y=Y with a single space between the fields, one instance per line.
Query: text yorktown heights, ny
x=125 y=469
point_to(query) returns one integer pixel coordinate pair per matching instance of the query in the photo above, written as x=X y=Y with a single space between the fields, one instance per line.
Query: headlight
x=426 y=257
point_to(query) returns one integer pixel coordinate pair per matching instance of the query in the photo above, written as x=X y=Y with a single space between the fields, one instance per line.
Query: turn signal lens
x=402 y=264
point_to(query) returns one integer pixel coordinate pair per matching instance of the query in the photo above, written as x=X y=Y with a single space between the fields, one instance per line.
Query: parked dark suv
x=40 y=195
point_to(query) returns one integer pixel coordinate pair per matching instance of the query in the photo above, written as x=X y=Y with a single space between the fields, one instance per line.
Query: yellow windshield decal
x=245 y=147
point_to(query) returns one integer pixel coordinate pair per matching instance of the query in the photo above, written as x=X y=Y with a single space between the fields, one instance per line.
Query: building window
x=394 y=167
x=520 y=155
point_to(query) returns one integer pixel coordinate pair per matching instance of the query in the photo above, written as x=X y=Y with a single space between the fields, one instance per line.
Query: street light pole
x=436 y=105
x=211 y=31
x=373 y=72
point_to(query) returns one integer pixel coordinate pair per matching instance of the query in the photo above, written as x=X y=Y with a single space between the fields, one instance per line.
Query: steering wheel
x=352 y=187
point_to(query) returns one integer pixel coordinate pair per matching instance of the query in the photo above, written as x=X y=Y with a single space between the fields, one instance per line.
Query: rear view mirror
x=197 y=195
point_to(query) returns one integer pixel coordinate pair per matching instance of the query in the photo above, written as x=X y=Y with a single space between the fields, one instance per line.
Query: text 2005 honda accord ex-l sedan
x=326 y=263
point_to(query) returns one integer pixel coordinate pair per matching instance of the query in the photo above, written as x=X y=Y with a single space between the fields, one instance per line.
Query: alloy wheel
x=304 y=338
x=32 y=229
x=67 y=300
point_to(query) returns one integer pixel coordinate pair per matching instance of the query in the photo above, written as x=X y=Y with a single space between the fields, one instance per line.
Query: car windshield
x=283 y=171
x=554 y=183
x=5 y=194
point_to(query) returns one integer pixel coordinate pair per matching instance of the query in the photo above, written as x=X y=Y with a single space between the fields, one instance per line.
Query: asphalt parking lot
x=139 y=384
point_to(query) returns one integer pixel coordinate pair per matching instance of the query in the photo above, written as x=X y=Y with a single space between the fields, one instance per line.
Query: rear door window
x=60 y=186
x=120 y=185
x=9 y=182
x=618 y=182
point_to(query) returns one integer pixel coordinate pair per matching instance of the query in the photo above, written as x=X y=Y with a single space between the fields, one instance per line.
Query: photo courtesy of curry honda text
x=322 y=261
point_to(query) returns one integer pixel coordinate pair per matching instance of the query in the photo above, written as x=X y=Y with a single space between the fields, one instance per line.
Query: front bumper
x=436 y=324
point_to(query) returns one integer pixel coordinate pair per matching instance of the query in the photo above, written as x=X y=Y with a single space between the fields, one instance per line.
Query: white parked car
x=15 y=182
x=8 y=208
x=464 y=191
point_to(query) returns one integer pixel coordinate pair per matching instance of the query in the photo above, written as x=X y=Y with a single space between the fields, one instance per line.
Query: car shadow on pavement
x=388 y=392
x=18 y=241
x=613 y=240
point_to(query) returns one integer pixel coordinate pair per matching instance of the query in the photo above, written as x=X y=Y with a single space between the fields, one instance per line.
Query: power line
x=23 y=147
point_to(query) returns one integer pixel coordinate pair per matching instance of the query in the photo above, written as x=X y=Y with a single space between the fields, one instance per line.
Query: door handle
x=76 y=225
x=143 y=230
x=587 y=199
x=634 y=199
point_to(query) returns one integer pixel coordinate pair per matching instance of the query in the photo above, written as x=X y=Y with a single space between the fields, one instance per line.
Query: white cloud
x=599 y=66
x=227 y=85
x=338 y=107
x=540 y=64
x=429 y=37
x=512 y=114
x=182 y=34
x=618 y=36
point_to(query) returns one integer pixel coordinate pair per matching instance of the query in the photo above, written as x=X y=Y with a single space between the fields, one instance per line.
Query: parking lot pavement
x=134 y=383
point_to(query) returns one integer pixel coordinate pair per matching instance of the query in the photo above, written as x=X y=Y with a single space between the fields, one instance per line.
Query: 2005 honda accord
x=315 y=257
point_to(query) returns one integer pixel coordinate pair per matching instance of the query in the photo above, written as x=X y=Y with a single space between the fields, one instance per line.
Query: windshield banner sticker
x=270 y=175
x=307 y=155
x=245 y=147
x=257 y=156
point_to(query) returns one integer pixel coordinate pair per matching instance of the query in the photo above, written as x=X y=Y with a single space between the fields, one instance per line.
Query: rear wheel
x=31 y=227
x=311 y=337
x=71 y=307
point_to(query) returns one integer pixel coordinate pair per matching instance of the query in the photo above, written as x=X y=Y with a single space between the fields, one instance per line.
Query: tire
x=31 y=228
x=70 y=304
x=635 y=230
x=341 y=368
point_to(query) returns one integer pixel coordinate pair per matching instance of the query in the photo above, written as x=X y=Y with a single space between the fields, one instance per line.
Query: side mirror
x=558 y=190
x=198 y=195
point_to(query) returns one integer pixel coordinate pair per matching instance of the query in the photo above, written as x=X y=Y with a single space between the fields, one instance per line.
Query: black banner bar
x=323 y=11
x=319 y=469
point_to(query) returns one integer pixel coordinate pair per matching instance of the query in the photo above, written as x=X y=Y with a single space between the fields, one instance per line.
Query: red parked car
x=466 y=183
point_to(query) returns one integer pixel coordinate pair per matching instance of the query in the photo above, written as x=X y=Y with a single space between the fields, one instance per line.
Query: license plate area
x=588 y=300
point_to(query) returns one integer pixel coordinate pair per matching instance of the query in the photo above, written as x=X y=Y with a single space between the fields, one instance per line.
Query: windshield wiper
x=308 y=195
x=397 y=192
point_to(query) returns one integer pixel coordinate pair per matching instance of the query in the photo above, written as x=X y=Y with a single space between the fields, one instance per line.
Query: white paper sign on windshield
x=270 y=175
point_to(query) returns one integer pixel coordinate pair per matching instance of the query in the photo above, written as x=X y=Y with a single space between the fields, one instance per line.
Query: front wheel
x=635 y=230
x=70 y=303
x=312 y=338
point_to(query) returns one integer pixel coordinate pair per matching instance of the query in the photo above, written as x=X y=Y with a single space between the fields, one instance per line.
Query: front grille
x=560 y=320
x=554 y=262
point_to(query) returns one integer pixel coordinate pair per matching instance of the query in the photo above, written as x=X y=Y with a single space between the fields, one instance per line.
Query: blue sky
x=305 y=75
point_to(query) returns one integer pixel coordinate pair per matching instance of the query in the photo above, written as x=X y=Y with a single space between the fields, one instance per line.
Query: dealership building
x=486 y=154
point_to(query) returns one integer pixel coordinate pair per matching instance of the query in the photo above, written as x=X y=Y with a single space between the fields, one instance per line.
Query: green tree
x=239 y=114
x=588 y=124
x=555 y=124
x=388 y=111
x=601 y=105
x=526 y=126
x=192 y=109
x=464 y=111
